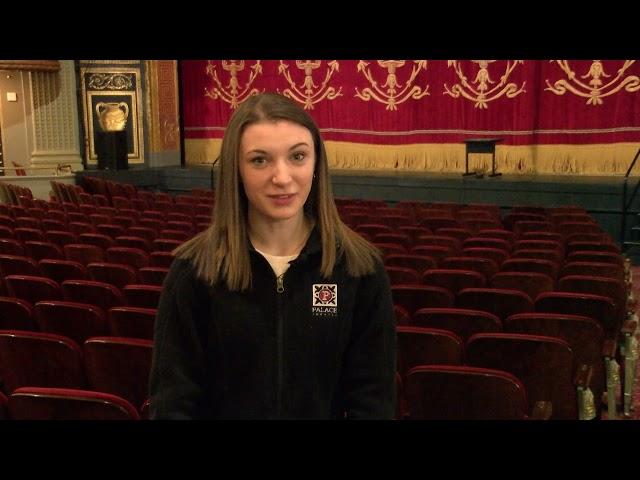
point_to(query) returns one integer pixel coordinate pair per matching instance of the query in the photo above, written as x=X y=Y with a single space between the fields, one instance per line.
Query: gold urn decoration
x=112 y=116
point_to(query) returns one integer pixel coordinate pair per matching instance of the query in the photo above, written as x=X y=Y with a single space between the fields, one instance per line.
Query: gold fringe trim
x=201 y=150
x=598 y=159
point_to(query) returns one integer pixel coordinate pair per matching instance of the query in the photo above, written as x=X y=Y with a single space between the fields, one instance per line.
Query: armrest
x=582 y=377
x=609 y=348
x=542 y=410
x=629 y=327
x=586 y=403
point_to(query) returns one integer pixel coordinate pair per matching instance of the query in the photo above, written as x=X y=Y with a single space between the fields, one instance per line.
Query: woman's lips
x=282 y=200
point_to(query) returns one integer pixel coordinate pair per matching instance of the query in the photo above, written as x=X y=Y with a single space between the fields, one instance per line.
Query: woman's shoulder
x=182 y=273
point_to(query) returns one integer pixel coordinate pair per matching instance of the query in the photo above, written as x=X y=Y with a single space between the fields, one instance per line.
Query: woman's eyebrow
x=301 y=144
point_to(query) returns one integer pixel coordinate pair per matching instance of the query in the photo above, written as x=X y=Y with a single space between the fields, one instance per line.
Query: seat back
x=498 y=255
x=402 y=275
x=161 y=259
x=83 y=253
x=119 y=366
x=61 y=270
x=117 y=274
x=595 y=256
x=9 y=246
x=545 y=365
x=153 y=275
x=597 y=307
x=419 y=263
x=461 y=321
x=143 y=296
x=40 y=250
x=536 y=265
x=16 y=314
x=402 y=316
x=453 y=280
x=426 y=346
x=132 y=241
x=606 y=287
x=414 y=297
x=103 y=295
x=33 y=403
x=132 y=322
x=446 y=392
x=609 y=270
x=134 y=257
x=3 y=406
x=32 y=289
x=97 y=239
x=530 y=283
x=500 y=302
x=484 y=266
x=77 y=321
x=39 y=359
x=18 y=265
x=585 y=336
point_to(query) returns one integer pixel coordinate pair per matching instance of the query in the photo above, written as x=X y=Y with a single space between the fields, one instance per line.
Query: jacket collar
x=313 y=245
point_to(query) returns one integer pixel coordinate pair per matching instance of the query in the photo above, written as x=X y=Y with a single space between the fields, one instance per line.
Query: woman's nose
x=281 y=174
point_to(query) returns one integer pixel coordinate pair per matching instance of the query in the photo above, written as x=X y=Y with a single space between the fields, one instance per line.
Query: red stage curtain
x=555 y=116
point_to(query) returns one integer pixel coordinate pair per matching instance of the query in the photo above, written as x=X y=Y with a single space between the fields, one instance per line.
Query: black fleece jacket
x=321 y=348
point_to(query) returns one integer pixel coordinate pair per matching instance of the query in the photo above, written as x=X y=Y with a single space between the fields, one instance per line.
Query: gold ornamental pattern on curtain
x=593 y=85
x=392 y=92
x=237 y=90
x=482 y=89
x=309 y=93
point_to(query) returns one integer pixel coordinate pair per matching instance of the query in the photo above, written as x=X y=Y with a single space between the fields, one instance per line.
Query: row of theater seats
x=76 y=320
x=117 y=274
x=521 y=346
x=63 y=295
x=550 y=273
x=45 y=373
x=101 y=294
x=459 y=232
x=112 y=365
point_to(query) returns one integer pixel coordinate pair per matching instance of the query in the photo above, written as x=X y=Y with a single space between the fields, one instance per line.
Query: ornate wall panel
x=112 y=100
x=162 y=111
x=54 y=118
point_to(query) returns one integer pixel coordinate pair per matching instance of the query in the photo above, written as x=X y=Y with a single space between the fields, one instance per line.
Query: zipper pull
x=280 y=283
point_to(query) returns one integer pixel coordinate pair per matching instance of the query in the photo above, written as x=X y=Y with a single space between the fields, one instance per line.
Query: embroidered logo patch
x=325 y=299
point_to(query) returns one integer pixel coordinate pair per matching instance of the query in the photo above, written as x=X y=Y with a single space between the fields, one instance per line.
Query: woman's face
x=276 y=165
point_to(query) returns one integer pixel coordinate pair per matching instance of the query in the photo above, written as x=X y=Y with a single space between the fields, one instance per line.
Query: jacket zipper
x=280 y=333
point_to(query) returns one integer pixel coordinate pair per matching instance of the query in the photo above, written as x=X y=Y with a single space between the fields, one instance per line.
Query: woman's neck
x=283 y=238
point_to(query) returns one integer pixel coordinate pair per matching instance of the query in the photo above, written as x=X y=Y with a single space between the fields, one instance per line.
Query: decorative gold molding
x=110 y=62
x=110 y=81
x=31 y=65
x=161 y=82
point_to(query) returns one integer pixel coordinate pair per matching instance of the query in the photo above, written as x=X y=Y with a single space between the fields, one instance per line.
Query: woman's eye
x=299 y=156
x=259 y=161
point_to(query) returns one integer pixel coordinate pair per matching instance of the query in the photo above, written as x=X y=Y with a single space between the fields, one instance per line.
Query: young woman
x=278 y=310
